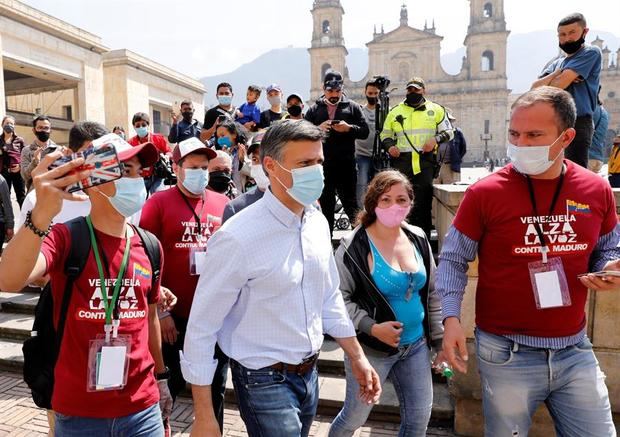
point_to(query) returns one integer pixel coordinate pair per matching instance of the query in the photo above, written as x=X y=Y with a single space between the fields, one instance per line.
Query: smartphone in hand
x=102 y=161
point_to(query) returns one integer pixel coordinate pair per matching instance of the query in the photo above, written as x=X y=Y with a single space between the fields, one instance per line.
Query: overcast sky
x=207 y=37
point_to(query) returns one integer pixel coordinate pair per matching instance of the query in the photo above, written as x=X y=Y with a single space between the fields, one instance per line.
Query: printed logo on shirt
x=191 y=238
x=128 y=302
x=577 y=208
x=559 y=234
x=142 y=272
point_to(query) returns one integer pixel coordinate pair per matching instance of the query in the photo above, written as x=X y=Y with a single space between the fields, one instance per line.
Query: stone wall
x=602 y=310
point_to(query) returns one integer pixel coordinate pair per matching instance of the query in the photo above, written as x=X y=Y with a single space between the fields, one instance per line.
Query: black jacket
x=340 y=146
x=365 y=303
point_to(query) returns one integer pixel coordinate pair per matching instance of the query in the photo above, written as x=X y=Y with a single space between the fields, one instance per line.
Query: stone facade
x=610 y=86
x=477 y=96
x=51 y=67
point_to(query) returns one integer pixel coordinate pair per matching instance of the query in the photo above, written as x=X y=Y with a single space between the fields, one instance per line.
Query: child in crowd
x=248 y=114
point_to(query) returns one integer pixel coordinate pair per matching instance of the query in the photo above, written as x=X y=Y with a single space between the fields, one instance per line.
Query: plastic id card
x=108 y=363
x=197 y=260
x=549 y=284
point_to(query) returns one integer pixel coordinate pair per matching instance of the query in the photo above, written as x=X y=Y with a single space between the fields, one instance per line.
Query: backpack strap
x=151 y=247
x=74 y=264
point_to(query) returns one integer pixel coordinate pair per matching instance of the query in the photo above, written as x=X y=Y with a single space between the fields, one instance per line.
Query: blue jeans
x=410 y=372
x=516 y=379
x=365 y=173
x=147 y=423
x=275 y=404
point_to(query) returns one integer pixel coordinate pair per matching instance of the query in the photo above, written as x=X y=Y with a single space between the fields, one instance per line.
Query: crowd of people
x=243 y=277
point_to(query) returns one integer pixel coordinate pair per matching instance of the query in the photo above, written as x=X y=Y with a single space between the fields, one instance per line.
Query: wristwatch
x=164 y=375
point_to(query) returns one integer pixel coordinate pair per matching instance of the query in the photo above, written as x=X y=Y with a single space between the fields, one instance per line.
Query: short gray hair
x=223 y=155
x=279 y=134
x=561 y=101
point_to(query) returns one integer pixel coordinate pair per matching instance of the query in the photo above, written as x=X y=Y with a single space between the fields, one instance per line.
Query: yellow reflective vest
x=420 y=124
x=613 y=166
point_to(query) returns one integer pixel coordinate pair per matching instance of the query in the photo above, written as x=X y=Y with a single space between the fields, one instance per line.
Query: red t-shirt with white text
x=497 y=213
x=85 y=320
x=167 y=216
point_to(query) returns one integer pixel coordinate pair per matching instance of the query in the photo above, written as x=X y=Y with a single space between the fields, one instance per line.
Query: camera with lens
x=163 y=170
x=381 y=82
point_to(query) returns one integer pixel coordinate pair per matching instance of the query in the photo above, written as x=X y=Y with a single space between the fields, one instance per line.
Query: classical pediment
x=403 y=34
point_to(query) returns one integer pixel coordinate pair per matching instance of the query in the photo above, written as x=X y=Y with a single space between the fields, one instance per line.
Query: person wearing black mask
x=11 y=146
x=578 y=72
x=363 y=148
x=42 y=145
x=411 y=134
x=220 y=175
x=294 y=107
x=342 y=122
x=187 y=127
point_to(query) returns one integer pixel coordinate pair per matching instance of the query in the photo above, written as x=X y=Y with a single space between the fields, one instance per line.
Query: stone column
x=90 y=90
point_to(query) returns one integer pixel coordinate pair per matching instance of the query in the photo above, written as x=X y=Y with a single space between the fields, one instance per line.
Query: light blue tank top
x=402 y=291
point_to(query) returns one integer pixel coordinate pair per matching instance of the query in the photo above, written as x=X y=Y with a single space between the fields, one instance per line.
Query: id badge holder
x=108 y=363
x=197 y=260
x=549 y=283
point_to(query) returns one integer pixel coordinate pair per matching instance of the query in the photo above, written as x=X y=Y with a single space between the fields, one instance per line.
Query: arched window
x=486 y=62
x=403 y=72
x=487 y=11
x=326 y=27
x=324 y=69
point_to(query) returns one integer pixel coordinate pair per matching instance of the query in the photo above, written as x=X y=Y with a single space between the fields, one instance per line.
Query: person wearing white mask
x=537 y=226
x=184 y=218
x=258 y=174
x=94 y=391
x=269 y=307
x=274 y=113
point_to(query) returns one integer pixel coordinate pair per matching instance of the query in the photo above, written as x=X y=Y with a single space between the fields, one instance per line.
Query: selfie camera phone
x=102 y=161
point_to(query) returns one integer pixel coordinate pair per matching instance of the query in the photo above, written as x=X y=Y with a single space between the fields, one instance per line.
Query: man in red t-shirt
x=91 y=393
x=536 y=226
x=184 y=218
x=141 y=122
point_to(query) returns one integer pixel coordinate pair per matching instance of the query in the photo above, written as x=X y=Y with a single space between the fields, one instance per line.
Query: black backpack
x=42 y=348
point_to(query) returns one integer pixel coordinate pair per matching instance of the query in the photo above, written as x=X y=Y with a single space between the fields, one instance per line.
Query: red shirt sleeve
x=468 y=218
x=162 y=145
x=55 y=248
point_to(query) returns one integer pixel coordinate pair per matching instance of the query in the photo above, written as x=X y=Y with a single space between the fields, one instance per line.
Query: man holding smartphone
x=215 y=116
x=343 y=122
x=116 y=283
x=32 y=154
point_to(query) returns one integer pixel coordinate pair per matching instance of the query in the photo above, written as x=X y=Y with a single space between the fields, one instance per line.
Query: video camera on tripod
x=380 y=157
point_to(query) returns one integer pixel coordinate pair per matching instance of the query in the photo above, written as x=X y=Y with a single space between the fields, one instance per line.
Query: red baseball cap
x=146 y=152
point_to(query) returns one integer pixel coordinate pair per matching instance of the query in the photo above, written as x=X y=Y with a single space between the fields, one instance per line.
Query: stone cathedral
x=478 y=95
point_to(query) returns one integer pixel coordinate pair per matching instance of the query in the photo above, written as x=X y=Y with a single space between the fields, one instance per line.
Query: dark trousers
x=2 y=235
x=614 y=180
x=421 y=212
x=176 y=383
x=577 y=151
x=341 y=178
x=15 y=180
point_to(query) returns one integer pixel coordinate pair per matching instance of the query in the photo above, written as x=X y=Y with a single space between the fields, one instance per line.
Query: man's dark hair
x=561 y=101
x=141 y=116
x=371 y=82
x=255 y=89
x=186 y=102
x=573 y=18
x=287 y=130
x=223 y=85
x=39 y=118
x=85 y=131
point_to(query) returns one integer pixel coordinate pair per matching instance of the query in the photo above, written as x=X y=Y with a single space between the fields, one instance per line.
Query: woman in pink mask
x=387 y=280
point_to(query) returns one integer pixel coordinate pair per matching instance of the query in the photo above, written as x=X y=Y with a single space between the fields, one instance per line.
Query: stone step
x=15 y=326
x=23 y=302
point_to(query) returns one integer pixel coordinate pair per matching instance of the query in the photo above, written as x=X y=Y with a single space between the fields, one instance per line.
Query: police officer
x=343 y=122
x=411 y=134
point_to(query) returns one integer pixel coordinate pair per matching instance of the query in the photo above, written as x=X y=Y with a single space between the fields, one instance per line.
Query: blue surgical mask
x=196 y=180
x=224 y=100
x=307 y=183
x=224 y=142
x=142 y=131
x=130 y=196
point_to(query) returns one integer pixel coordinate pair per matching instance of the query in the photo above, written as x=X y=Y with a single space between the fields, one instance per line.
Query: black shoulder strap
x=74 y=264
x=151 y=247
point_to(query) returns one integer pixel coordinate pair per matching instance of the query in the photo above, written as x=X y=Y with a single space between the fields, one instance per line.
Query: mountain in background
x=290 y=67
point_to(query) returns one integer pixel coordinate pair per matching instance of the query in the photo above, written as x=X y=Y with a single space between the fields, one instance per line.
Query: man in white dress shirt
x=267 y=296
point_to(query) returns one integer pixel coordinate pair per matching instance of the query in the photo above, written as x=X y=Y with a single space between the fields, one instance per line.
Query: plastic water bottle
x=445 y=370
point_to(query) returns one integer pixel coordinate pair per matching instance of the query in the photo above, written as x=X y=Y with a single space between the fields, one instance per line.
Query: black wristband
x=163 y=376
x=28 y=224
